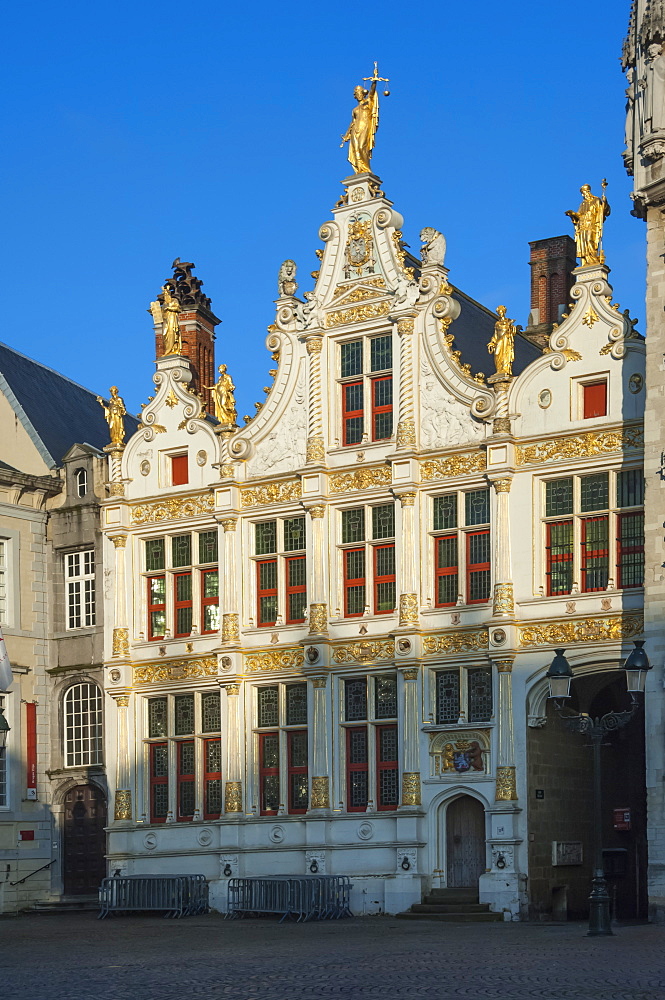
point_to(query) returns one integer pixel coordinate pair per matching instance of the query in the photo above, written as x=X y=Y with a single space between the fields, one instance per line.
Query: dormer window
x=81 y=482
x=367 y=388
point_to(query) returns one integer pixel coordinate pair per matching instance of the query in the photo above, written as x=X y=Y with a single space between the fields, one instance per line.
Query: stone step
x=455 y=896
x=86 y=904
x=453 y=918
x=436 y=907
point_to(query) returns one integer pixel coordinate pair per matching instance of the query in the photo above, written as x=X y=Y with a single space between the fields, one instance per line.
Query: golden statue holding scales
x=364 y=123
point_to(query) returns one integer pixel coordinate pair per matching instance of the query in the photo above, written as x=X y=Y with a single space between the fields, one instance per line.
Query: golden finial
x=588 y=221
x=361 y=132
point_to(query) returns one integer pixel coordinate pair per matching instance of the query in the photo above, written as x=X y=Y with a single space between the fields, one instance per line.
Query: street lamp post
x=560 y=676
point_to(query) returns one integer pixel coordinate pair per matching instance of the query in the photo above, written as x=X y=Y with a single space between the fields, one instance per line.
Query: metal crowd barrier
x=174 y=895
x=307 y=897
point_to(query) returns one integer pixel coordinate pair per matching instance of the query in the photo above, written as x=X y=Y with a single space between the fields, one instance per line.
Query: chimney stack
x=552 y=263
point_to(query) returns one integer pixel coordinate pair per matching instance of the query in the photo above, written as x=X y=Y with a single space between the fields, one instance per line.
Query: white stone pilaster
x=320 y=796
x=228 y=594
x=316 y=454
x=318 y=606
x=410 y=739
x=123 y=794
x=234 y=755
x=503 y=604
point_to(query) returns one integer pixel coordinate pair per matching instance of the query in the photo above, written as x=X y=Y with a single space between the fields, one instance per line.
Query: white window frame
x=461 y=531
x=81 y=478
x=195 y=568
x=370 y=544
x=372 y=723
x=464 y=709
x=282 y=555
x=367 y=377
x=80 y=590
x=83 y=725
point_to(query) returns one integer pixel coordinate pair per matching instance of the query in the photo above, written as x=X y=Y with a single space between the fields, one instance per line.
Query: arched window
x=83 y=725
x=81 y=482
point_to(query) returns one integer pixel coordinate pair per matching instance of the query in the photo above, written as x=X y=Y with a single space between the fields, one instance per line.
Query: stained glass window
x=351 y=357
x=381 y=353
x=383 y=521
x=355 y=700
x=208 y=547
x=477 y=507
x=268 y=706
x=157 y=717
x=445 y=511
x=353 y=525
x=294 y=534
x=210 y=713
x=480 y=694
x=385 y=695
x=594 y=492
x=184 y=714
x=559 y=497
x=447 y=696
x=266 y=537
x=154 y=554
x=296 y=704
x=181 y=550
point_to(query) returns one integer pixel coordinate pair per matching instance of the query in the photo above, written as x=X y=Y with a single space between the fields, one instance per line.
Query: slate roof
x=473 y=330
x=55 y=411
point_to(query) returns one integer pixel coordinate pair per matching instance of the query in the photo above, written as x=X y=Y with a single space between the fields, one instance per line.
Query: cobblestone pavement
x=74 y=956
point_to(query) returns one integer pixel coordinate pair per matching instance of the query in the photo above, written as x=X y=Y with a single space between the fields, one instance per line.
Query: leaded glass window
x=268 y=706
x=208 y=547
x=355 y=700
x=559 y=497
x=154 y=554
x=381 y=353
x=184 y=714
x=477 y=507
x=157 y=717
x=480 y=694
x=181 y=550
x=630 y=488
x=385 y=696
x=296 y=704
x=353 y=525
x=266 y=537
x=594 y=492
x=447 y=696
x=383 y=521
x=445 y=511
x=351 y=358
x=210 y=713
x=294 y=534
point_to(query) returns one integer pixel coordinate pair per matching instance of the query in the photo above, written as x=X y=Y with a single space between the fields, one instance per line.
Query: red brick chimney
x=552 y=262
x=197 y=327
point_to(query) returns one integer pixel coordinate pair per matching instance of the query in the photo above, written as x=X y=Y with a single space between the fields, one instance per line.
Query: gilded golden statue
x=114 y=413
x=588 y=221
x=364 y=123
x=223 y=398
x=171 y=328
x=502 y=344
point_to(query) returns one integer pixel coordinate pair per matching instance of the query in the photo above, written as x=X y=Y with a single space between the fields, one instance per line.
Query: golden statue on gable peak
x=502 y=344
x=361 y=132
x=588 y=221
x=223 y=399
x=114 y=413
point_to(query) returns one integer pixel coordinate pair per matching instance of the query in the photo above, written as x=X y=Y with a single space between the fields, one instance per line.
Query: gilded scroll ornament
x=361 y=133
x=364 y=652
x=289 y=658
x=554 y=633
x=588 y=221
x=318 y=619
x=320 y=796
x=506 y=785
x=467 y=641
x=377 y=282
x=454 y=465
x=411 y=788
x=280 y=492
x=120 y=642
x=406 y=433
x=114 y=413
x=123 y=805
x=502 y=344
x=230 y=627
x=175 y=670
x=316 y=451
x=360 y=479
x=408 y=609
x=223 y=399
x=233 y=797
x=580 y=446
x=357 y=314
x=503 y=602
x=173 y=508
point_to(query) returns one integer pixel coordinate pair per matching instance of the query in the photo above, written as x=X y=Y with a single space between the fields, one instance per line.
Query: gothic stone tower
x=644 y=64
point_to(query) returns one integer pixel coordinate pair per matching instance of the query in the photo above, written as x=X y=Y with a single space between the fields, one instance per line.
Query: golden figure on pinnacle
x=223 y=398
x=588 y=221
x=502 y=344
x=171 y=329
x=114 y=413
x=364 y=123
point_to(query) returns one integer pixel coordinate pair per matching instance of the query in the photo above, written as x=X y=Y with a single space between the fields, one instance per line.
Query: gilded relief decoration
x=408 y=609
x=318 y=618
x=468 y=641
x=506 y=785
x=357 y=314
x=360 y=479
x=320 y=796
x=503 y=602
x=411 y=788
x=230 y=627
x=455 y=752
x=364 y=652
x=173 y=508
x=271 y=493
x=580 y=446
x=233 y=797
x=120 y=642
x=123 y=805
x=453 y=465
x=377 y=282
x=275 y=659
x=554 y=633
x=175 y=670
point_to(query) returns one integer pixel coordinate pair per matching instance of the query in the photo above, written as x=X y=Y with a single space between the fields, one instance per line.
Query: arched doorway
x=465 y=842
x=84 y=845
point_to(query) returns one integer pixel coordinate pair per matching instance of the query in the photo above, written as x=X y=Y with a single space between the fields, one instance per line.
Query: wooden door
x=465 y=842
x=84 y=865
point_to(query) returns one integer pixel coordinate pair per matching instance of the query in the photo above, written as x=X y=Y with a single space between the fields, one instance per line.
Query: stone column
x=320 y=797
x=318 y=608
x=228 y=596
x=410 y=739
x=503 y=604
x=406 y=428
x=501 y=384
x=120 y=629
x=116 y=485
x=316 y=453
x=506 y=787
x=233 y=786
x=409 y=562
x=123 y=794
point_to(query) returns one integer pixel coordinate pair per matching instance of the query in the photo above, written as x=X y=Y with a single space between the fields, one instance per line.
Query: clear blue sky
x=136 y=133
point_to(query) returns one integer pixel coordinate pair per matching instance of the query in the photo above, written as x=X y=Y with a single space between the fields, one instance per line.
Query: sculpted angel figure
x=171 y=329
x=223 y=398
x=502 y=344
x=364 y=123
x=114 y=413
x=588 y=221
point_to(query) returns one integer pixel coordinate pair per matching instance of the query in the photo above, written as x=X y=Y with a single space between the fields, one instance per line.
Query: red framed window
x=384 y=579
x=387 y=791
x=357 y=769
x=296 y=589
x=179 y=470
x=266 y=591
x=595 y=553
x=269 y=773
x=446 y=570
x=156 y=607
x=382 y=407
x=159 y=782
x=352 y=412
x=478 y=566
x=212 y=778
x=185 y=778
x=297 y=770
x=594 y=397
x=630 y=550
x=209 y=600
x=182 y=589
x=354 y=582
x=559 y=557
